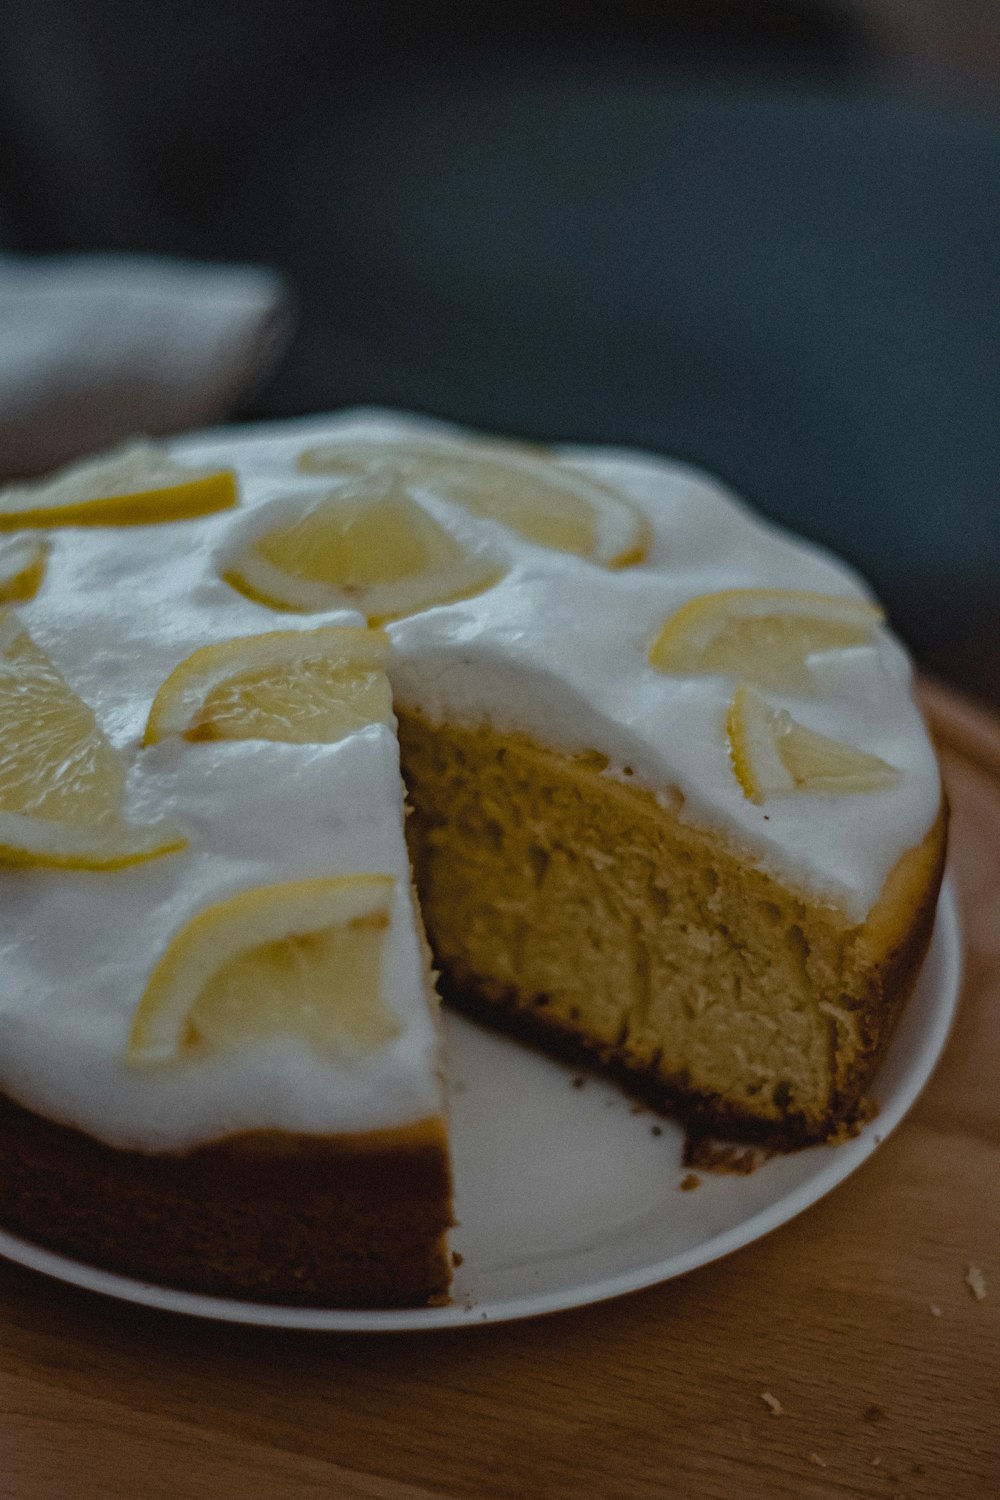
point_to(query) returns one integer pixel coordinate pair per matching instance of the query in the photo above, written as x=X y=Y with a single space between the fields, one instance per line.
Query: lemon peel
x=530 y=494
x=772 y=754
x=137 y=485
x=761 y=635
x=62 y=784
x=299 y=686
x=300 y=958
x=366 y=546
x=22 y=569
x=25 y=841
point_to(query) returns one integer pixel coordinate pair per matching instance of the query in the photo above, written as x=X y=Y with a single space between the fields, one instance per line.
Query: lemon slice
x=22 y=568
x=304 y=958
x=761 y=635
x=135 y=486
x=771 y=754
x=367 y=546
x=62 y=785
x=530 y=495
x=302 y=686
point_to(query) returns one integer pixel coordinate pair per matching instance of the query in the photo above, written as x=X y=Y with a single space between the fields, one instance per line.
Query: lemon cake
x=672 y=808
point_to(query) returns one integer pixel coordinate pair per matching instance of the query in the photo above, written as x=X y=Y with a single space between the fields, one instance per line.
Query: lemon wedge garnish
x=530 y=495
x=136 y=486
x=62 y=785
x=367 y=546
x=761 y=635
x=771 y=753
x=301 y=686
x=22 y=568
x=303 y=958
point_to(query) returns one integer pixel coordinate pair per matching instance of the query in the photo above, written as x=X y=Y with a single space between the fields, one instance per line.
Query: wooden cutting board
x=844 y=1355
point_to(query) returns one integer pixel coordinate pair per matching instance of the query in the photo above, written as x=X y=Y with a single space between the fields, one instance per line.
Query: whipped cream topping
x=557 y=650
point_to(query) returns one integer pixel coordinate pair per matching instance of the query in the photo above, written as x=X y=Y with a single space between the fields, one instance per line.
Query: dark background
x=765 y=238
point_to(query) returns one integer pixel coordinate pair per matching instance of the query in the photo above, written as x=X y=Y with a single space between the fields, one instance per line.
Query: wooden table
x=856 y=1319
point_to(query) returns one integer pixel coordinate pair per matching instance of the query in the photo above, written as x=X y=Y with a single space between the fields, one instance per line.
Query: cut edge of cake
x=265 y=1216
x=681 y=966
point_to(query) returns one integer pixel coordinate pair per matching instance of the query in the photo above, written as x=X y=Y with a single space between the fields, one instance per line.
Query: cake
x=672 y=810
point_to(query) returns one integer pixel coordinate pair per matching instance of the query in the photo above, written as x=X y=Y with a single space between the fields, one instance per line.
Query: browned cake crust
x=352 y=1221
x=579 y=911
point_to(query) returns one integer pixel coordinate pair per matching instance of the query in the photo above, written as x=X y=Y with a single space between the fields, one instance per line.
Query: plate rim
x=849 y=1156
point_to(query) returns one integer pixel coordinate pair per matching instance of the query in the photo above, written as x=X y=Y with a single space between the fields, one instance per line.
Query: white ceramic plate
x=565 y=1193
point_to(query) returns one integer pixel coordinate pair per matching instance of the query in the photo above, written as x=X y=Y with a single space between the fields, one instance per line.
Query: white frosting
x=557 y=649
x=77 y=948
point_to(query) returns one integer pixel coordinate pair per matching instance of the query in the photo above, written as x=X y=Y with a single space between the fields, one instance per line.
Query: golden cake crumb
x=772 y=1403
x=722 y=1157
x=974 y=1281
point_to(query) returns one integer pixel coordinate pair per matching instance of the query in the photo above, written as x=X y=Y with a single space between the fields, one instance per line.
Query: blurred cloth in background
x=97 y=347
x=713 y=230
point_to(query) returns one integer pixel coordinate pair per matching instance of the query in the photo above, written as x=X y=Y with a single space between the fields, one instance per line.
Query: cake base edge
x=266 y=1216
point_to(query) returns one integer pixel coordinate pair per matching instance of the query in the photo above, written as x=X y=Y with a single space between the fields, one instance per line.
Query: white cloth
x=95 y=348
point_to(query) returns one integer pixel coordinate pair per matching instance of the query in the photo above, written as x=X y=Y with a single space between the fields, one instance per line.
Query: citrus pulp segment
x=137 y=485
x=302 y=958
x=532 y=496
x=761 y=635
x=22 y=568
x=771 y=753
x=367 y=546
x=299 y=686
x=62 y=784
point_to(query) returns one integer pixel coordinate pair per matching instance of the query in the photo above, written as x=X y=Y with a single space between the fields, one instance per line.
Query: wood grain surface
x=856 y=1318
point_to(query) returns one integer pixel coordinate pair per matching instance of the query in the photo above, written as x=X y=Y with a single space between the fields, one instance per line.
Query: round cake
x=671 y=808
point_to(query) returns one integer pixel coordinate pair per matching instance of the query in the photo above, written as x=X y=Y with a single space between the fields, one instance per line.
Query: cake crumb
x=457 y=1258
x=689 y=1183
x=874 y=1413
x=656 y=1129
x=772 y=1403
x=707 y=1155
x=578 y=1082
x=876 y=1462
x=820 y=1463
x=851 y=1126
x=935 y=1310
x=974 y=1281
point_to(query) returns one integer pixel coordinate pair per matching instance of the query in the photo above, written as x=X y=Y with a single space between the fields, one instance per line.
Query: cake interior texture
x=583 y=912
